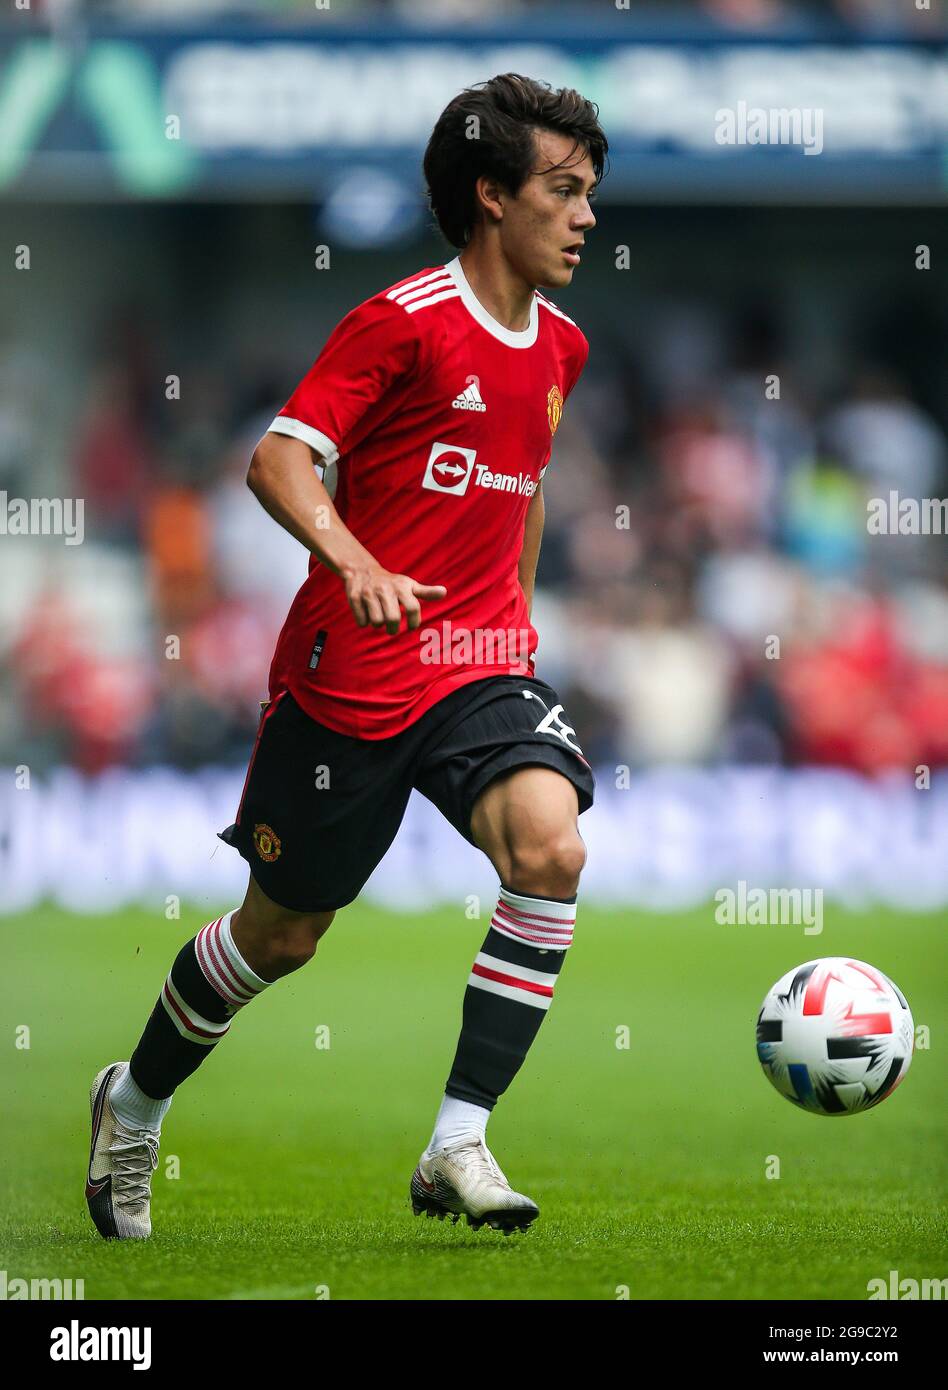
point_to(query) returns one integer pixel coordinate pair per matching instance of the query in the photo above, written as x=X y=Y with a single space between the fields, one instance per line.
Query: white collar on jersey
x=525 y=338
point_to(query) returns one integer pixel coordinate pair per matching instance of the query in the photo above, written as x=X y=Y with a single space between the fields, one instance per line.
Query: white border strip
x=296 y=429
x=524 y=339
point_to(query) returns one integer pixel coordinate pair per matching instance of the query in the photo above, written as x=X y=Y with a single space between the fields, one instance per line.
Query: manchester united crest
x=267 y=843
x=554 y=407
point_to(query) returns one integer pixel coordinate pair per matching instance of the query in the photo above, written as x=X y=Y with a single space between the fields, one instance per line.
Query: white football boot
x=464 y=1179
x=121 y=1162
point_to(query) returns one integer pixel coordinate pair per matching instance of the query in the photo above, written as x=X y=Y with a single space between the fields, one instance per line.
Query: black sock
x=508 y=993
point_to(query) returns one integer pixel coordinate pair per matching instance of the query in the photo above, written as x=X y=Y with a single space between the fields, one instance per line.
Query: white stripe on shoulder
x=451 y=292
x=406 y=296
x=410 y=285
x=554 y=309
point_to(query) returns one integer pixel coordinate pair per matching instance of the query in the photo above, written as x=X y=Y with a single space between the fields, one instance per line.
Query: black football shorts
x=320 y=809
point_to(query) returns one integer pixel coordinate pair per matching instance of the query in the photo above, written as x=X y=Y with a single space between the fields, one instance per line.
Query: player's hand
x=377 y=597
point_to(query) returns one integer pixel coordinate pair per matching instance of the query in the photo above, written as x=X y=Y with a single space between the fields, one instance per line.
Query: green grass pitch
x=648 y=1163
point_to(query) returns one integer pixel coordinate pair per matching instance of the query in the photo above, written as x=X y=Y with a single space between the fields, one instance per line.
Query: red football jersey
x=435 y=424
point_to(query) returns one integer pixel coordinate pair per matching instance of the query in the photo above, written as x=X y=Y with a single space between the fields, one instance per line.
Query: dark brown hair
x=500 y=143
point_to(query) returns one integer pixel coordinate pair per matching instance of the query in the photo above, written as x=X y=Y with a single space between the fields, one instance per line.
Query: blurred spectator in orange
x=178 y=544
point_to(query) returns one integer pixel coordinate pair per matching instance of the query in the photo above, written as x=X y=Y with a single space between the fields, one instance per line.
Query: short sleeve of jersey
x=577 y=363
x=373 y=347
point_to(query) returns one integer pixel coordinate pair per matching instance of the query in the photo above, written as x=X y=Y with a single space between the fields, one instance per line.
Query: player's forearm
x=286 y=485
x=530 y=554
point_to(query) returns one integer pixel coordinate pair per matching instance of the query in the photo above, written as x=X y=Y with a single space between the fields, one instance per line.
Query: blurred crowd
x=747 y=614
x=751 y=14
x=708 y=589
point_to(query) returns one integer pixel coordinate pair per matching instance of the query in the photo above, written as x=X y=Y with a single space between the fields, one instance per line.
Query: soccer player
x=429 y=416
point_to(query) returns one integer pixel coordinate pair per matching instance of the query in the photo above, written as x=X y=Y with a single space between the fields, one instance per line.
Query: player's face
x=544 y=227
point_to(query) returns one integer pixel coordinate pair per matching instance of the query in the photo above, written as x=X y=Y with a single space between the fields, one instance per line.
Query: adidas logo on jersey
x=470 y=397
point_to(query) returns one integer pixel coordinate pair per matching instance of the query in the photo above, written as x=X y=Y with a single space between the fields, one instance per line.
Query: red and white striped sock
x=207 y=984
x=224 y=967
x=509 y=990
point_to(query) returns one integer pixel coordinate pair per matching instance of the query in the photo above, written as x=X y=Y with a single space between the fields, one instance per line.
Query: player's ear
x=488 y=195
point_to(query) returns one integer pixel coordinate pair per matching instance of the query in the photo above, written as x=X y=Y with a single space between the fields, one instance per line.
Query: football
x=835 y=1036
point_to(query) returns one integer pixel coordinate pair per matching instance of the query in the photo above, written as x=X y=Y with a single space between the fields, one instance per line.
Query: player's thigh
x=526 y=822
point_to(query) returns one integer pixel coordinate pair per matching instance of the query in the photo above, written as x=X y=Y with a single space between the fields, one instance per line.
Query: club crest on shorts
x=554 y=407
x=267 y=843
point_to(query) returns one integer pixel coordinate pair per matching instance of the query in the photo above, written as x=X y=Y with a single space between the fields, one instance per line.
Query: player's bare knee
x=294 y=944
x=275 y=942
x=566 y=855
x=550 y=865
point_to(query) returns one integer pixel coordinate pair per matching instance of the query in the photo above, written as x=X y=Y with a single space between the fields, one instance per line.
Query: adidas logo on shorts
x=470 y=397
